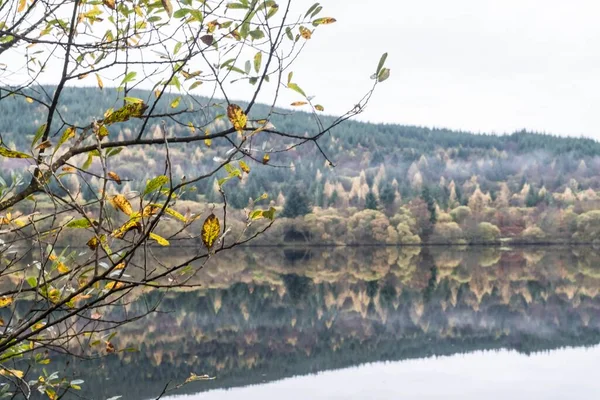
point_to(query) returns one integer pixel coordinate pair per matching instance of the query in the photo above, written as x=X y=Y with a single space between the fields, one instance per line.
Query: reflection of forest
x=265 y=314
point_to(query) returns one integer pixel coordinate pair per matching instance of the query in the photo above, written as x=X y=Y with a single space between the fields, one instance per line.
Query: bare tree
x=64 y=299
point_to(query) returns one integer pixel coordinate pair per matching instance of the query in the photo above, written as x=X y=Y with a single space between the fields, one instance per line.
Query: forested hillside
x=389 y=183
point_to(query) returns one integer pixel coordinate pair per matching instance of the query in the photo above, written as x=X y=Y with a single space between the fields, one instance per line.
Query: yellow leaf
x=114 y=177
x=175 y=103
x=113 y=285
x=11 y=372
x=168 y=7
x=244 y=167
x=4 y=152
x=306 y=33
x=323 y=21
x=210 y=230
x=109 y=3
x=22 y=4
x=5 y=301
x=266 y=159
x=298 y=103
x=62 y=268
x=29 y=100
x=120 y=266
x=126 y=227
x=95 y=241
x=319 y=107
x=119 y=201
x=159 y=239
x=207 y=142
x=38 y=326
x=237 y=117
x=66 y=168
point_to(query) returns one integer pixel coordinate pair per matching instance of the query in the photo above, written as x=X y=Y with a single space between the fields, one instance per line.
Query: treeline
x=441 y=185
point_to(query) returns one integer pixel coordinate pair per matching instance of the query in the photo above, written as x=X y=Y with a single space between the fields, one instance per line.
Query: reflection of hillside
x=262 y=316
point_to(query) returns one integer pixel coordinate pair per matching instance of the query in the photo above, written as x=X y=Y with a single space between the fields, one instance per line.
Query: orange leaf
x=306 y=33
x=298 y=103
x=114 y=177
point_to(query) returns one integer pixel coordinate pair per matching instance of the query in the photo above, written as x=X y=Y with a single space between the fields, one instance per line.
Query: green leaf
x=32 y=281
x=257 y=62
x=311 y=9
x=257 y=34
x=383 y=75
x=181 y=13
x=296 y=88
x=237 y=6
x=38 y=135
x=247 y=67
x=128 y=78
x=79 y=223
x=288 y=33
x=155 y=184
x=88 y=161
x=381 y=63
x=134 y=100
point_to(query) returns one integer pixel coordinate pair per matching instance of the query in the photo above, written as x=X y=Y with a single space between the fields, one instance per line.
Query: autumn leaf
x=159 y=239
x=5 y=301
x=129 y=110
x=323 y=21
x=12 y=372
x=298 y=103
x=168 y=7
x=114 y=177
x=305 y=33
x=44 y=145
x=237 y=117
x=266 y=159
x=210 y=230
x=93 y=243
x=4 y=152
x=29 y=100
x=244 y=167
x=120 y=202
x=319 y=107
x=111 y=4
x=126 y=227
x=113 y=285
x=109 y=346
x=62 y=268
x=96 y=315
x=207 y=39
x=22 y=4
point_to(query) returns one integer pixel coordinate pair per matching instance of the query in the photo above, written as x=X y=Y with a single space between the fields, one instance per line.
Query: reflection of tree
x=266 y=318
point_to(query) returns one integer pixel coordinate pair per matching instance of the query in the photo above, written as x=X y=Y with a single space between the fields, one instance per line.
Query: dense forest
x=259 y=318
x=389 y=183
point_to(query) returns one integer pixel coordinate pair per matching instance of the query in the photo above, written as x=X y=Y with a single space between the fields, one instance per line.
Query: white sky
x=478 y=65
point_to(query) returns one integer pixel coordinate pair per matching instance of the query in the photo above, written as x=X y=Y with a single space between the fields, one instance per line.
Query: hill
x=391 y=183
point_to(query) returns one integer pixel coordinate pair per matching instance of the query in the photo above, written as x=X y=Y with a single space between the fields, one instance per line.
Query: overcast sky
x=478 y=65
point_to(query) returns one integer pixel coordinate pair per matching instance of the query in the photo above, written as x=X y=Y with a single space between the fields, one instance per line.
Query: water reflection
x=267 y=314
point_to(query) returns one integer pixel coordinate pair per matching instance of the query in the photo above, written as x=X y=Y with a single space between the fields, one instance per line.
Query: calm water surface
x=370 y=323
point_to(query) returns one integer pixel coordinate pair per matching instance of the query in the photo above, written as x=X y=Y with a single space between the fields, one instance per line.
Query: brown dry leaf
x=44 y=145
x=110 y=4
x=298 y=103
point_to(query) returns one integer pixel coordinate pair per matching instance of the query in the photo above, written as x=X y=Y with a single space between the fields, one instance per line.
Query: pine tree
x=296 y=204
x=370 y=201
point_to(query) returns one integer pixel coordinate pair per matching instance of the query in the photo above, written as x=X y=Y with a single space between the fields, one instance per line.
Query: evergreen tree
x=296 y=204
x=532 y=198
x=371 y=201
x=387 y=196
x=428 y=198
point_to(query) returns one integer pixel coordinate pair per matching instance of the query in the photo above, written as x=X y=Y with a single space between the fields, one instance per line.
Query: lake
x=368 y=323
